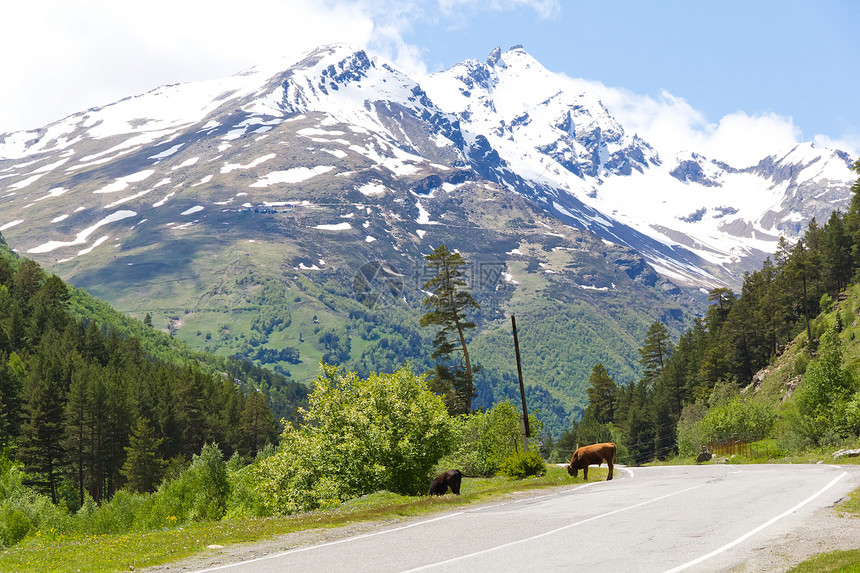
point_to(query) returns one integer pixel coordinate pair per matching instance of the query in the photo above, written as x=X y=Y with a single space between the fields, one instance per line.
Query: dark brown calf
x=590 y=455
x=439 y=486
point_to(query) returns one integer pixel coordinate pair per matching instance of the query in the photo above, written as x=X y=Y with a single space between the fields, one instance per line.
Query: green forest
x=800 y=303
x=89 y=410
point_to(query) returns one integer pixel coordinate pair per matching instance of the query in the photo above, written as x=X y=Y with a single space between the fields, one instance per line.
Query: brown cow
x=587 y=455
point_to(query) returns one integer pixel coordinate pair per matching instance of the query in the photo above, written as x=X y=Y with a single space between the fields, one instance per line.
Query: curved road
x=660 y=519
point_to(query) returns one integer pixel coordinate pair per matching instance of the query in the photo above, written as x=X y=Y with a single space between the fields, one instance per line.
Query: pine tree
x=800 y=270
x=449 y=303
x=258 y=425
x=45 y=391
x=836 y=256
x=11 y=390
x=76 y=431
x=601 y=393
x=656 y=351
x=143 y=468
x=640 y=424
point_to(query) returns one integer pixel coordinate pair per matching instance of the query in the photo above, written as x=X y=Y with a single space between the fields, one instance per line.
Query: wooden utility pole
x=525 y=418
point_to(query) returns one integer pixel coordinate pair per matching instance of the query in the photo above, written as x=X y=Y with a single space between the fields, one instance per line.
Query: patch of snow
x=308 y=131
x=369 y=239
x=125 y=200
x=336 y=227
x=60 y=218
x=195 y=209
x=294 y=175
x=163 y=201
x=186 y=163
x=206 y=179
x=55 y=192
x=123 y=182
x=82 y=236
x=21 y=184
x=93 y=246
x=11 y=224
x=167 y=152
x=228 y=167
x=340 y=154
x=420 y=233
x=234 y=134
x=514 y=252
x=369 y=189
x=423 y=215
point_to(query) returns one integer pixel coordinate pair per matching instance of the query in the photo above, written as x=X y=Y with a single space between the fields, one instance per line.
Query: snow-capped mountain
x=508 y=121
x=693 y=217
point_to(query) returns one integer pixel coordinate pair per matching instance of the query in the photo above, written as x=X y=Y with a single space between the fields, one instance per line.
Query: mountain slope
x=284 y=215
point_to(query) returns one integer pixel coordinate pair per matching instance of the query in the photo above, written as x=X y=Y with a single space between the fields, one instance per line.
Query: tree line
x=88 y=411
x=739 y=334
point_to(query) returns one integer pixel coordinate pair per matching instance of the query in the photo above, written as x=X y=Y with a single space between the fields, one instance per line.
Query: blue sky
x=796 y=59
x=785 y=68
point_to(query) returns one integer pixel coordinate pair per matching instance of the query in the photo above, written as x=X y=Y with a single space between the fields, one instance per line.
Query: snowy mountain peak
x=508 y=122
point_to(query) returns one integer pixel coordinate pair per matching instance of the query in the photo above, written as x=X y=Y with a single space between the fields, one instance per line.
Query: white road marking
x=301 y=549
x=551 y=532
x=357 y=537
x=752 y=532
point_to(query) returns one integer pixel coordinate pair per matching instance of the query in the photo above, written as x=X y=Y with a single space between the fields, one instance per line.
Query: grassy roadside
x=50 y=552
x=837 y=561
x=54 y=553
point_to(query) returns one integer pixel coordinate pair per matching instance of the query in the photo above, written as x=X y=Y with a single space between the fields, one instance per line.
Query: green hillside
x=294 y=294
x=778 y=361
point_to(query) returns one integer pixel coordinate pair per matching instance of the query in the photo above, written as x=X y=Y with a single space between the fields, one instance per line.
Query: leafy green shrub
x=733 y=417
x=800 y=364
x=122 y=513
x=823 y=413
x=22 y=510
x=245 y=500
x=197 y=494
x=739 y=418
x=691 y=436
x=486 y=438
x=522 y=464
x=386 y=431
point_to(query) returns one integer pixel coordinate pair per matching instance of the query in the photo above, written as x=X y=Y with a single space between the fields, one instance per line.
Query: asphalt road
x=661 y=519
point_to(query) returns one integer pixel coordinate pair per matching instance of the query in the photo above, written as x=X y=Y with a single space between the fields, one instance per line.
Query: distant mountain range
x=263 y=209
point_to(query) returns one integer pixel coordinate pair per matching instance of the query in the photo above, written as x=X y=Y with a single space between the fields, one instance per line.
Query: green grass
x=833 y=562
x=55 y=553
x=837 y=561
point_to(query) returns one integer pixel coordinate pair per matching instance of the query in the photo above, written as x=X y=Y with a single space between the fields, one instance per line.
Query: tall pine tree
x=449 y=306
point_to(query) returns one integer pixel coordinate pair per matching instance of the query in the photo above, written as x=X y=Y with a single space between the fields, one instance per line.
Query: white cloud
x=672 y=126
x=70 y=56
x=63 y=57
x=849 y=142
